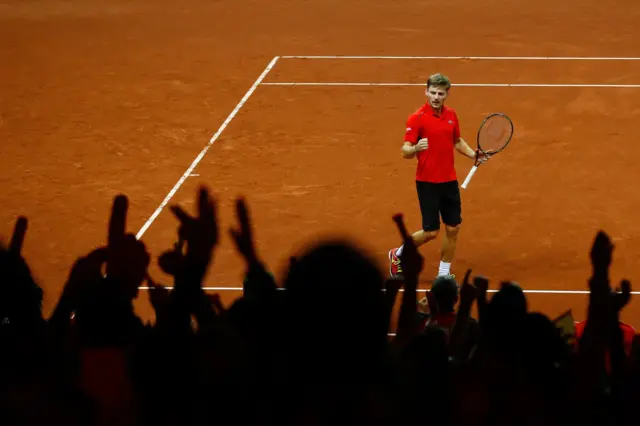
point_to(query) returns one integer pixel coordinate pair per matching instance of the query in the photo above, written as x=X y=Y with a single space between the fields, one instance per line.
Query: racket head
x=494 y=133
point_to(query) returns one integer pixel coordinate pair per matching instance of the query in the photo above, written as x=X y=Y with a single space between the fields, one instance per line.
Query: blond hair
x=439 y=80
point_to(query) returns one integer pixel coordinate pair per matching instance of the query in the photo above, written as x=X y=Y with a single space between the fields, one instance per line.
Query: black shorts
x=439 y=199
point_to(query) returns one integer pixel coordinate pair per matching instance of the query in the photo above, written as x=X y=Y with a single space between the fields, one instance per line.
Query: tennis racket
x=494 y=135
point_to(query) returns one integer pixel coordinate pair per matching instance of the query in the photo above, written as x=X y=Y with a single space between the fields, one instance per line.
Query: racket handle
x=469 y=176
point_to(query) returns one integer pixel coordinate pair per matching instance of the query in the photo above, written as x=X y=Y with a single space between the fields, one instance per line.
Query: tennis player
x=432 y=134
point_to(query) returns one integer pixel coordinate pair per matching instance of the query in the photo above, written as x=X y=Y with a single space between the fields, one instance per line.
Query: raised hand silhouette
x=258 y=282
x=412 y=260
x=127 y=257
x=17 y=238
x=243 y=236
x=412 y=263
x=20 y=295
x=200 y=234
x=102 y=285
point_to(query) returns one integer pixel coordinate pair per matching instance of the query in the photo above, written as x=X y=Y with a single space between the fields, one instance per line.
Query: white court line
x=337 y=84
x=206 y=148
x=480 y=58
x=239 y=289
x=204 y=288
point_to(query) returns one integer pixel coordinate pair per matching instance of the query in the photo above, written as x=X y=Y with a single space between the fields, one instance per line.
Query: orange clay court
x=98 y=99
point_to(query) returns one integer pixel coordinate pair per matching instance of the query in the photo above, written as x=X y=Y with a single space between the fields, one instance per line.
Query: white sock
x=399 y=251
x=445 y=268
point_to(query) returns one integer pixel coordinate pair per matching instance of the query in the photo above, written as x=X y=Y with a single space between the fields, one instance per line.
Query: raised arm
x=409 y=150
x=412 y=142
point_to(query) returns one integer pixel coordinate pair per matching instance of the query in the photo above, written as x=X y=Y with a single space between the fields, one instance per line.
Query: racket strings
x=495 y=134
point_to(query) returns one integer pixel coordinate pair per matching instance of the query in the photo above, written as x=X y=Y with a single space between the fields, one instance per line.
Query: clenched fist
x=422 y=144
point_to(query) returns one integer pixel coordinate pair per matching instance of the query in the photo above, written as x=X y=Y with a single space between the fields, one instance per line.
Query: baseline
x=346 y=84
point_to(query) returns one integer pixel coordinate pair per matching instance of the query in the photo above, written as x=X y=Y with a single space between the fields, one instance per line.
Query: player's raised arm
x=412 y=142
x=408 y=150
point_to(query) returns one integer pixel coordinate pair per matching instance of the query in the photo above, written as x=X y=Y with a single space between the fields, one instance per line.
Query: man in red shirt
x=432 y=134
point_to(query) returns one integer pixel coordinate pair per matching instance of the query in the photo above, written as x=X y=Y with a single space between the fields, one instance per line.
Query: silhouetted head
x=105 y=315
x=334 y=299
x=545 y=349
x=510 y=300
x=445 y=291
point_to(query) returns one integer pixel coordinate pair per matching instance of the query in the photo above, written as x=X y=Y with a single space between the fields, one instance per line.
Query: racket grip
x=469 y=176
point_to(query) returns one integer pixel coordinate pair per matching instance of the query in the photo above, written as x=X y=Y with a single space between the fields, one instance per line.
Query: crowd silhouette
x=318 y=353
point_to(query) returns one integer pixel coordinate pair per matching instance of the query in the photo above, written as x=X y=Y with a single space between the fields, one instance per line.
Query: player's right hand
x=422 y=144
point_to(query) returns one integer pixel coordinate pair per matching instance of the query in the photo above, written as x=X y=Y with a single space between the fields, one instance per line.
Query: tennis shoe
x=395 y=265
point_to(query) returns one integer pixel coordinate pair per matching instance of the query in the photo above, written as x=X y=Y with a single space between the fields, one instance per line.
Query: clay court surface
x=99 y=98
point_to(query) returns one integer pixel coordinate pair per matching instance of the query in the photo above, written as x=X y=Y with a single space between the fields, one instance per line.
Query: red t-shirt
x=628 y=333
x=435 y=164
